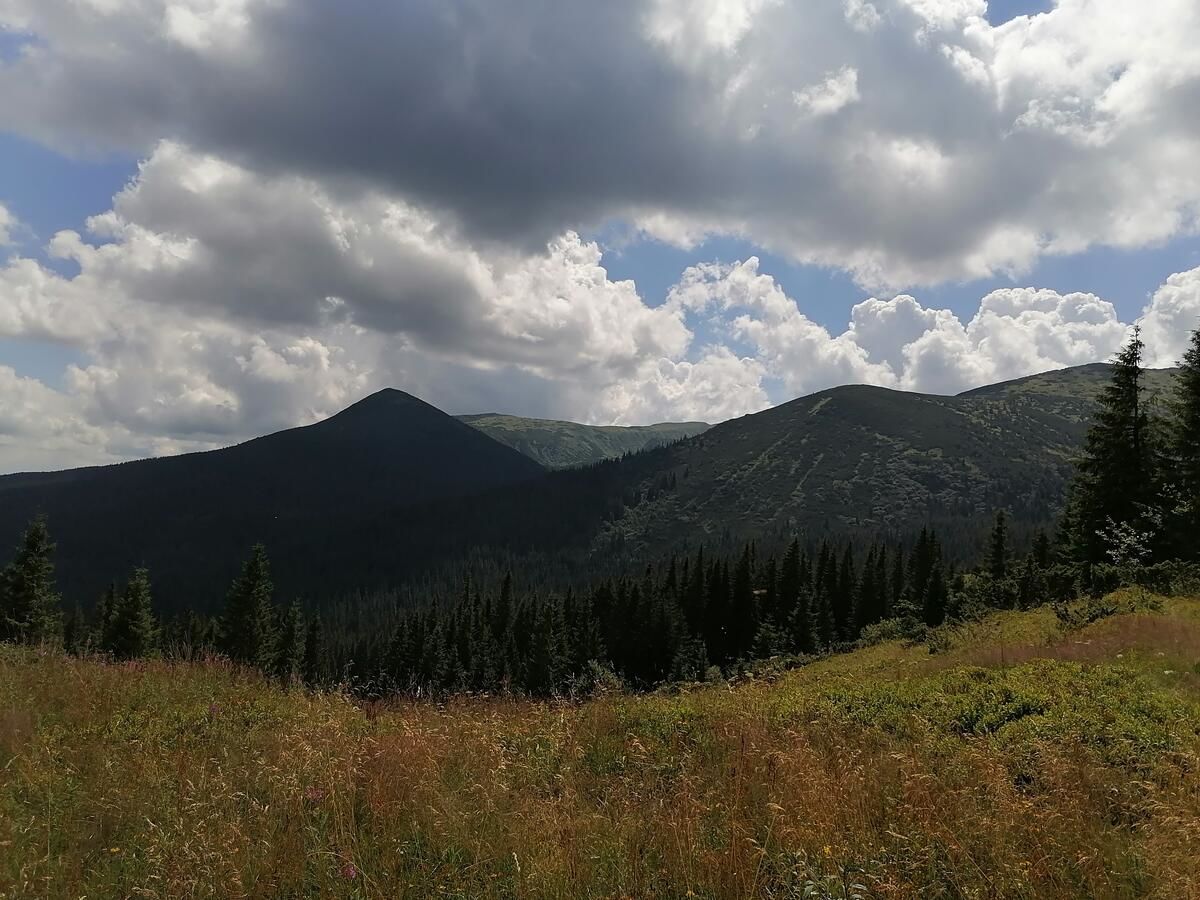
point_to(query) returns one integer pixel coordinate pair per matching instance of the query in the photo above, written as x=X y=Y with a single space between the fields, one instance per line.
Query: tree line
x=1134 y=503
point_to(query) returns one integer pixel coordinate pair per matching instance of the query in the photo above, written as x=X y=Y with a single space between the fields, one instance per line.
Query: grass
x=1067 y=765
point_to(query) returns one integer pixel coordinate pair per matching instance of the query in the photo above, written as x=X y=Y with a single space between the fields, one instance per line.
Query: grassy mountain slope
x=862 y=458
x=562 y=445
x=191 y=518
x=1019 y=761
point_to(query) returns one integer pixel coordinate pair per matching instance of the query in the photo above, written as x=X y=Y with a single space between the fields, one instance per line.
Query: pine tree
x=289 y=647
x=133 y=632
x=1185 y=453
x=29 y=604
x=1115 y=478
x=249 y=622
x=75 y=631
x=997 y=559
x=1041 y=549
x=316 y=663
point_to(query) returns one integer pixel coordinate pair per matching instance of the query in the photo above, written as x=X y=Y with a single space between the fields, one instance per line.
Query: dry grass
x=1052 y=772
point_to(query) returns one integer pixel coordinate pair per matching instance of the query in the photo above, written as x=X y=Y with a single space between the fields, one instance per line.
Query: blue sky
x=325 y=199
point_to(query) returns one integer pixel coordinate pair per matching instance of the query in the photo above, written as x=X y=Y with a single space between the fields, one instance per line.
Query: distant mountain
x=394 y=492
x=563 y=445
x=192 y=517
x=872 y=460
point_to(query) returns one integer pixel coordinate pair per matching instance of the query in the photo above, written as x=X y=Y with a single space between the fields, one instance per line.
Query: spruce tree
x=29 y=604
x=316 y=664
x=997 y=558
x=1041 y=549
x=249 y=622
x=1115 y=480
x=1185 y=453
x=289 y=647
x=133 y=632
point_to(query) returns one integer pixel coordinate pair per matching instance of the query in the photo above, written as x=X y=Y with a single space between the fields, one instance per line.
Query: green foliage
x=1117 y=477
x=315 y=667
x=997 y=560
x=29 y=604
x=1183 y=472
x=132 y=632
x=563 y=445
x=249 y=622
x=289 y=649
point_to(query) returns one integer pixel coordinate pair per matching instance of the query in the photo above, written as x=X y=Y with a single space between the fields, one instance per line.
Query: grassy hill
x=562 y=445
x=1021 y=760
x=869 y=459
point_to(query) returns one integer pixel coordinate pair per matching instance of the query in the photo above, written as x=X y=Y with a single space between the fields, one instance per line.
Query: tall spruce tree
x=997 y=558
x=1184 y=524
x=316 y=657
x=289 y=646
x=249 y=621
x=133 y=633
x=29 y=605
x=1116 y=477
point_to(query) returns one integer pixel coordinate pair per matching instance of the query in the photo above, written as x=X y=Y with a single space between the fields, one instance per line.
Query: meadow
x=1024 y=758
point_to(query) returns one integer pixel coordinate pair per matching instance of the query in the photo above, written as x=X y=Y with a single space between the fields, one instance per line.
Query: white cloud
x=42 y=429
x=861 y=15
x=8 y=224
x=970 y=150
x=212 y=304
x=836 y=92
x=1170 y=318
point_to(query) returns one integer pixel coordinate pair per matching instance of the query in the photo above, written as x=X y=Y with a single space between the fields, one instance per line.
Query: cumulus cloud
x=8 y=224
x=212 y=304
x=41 y=428
x=837 y=91
x=960 y=150
x=1171 y=317
x=334 y=201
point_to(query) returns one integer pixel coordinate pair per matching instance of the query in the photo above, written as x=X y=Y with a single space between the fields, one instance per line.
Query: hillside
x=1021 y=760
x=869 y=459
x=392 y=489
x=563 y=445
x=192 y=518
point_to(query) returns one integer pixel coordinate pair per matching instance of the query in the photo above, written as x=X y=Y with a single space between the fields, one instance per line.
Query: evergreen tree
x=1115 y=478
x=1041 y=549
x=1185 y=454
x=316 y=661
x=289 y=648
x=106 y=617
x=29 y=604
x=75 y=631
x=249 y=622
x=133 y=632
x=997 y=559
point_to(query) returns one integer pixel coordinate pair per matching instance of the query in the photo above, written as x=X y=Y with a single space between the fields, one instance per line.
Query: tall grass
x=887 y=773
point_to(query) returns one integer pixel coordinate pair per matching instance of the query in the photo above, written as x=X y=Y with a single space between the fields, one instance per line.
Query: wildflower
x=827 y=850
x=349 y=871
x=314 y=794
x=214 y=710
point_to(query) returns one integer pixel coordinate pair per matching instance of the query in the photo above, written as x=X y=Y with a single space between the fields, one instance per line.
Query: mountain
x=564 y=445
x=192 y=517
x=872 y=460
x=393 y=492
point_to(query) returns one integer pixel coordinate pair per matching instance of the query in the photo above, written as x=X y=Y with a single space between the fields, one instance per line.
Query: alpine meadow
x=645 y=450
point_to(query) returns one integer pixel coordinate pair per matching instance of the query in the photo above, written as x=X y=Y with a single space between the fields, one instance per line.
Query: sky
x=221 y=218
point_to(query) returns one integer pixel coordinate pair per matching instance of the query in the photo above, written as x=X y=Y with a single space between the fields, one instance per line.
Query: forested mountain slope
x=392 y=488
x=563 y=445
x=861 y=458
x=191 y=518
